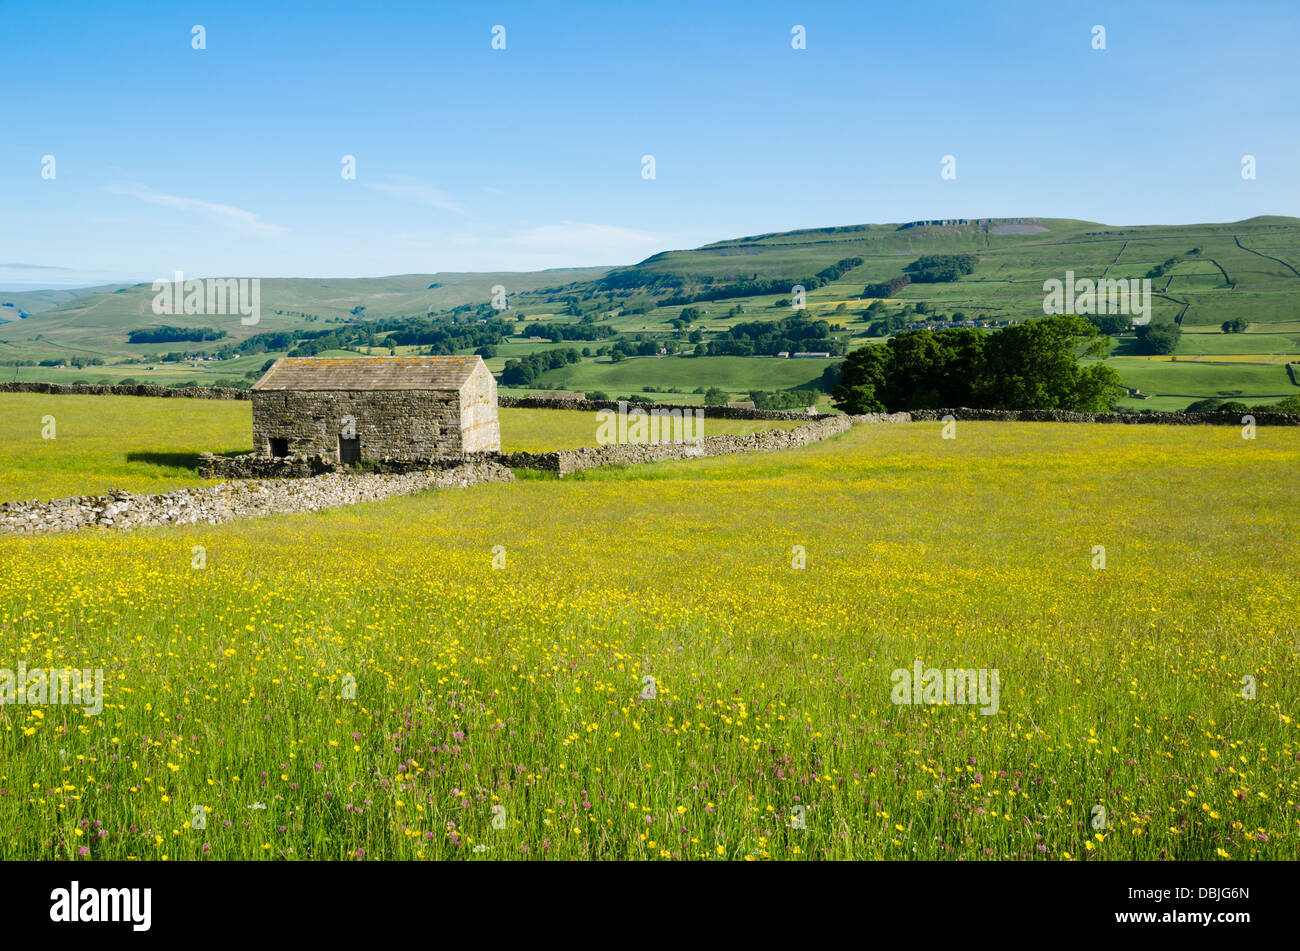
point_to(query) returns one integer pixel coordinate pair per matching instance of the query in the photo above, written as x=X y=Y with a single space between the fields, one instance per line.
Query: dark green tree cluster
x=941 y=268
x=169 y=334
x=761 y=288
x=1035 y=365
x=1159 y=337
x=783 y=399
x=771 y=337
x=558 y=333
x=439 y=336
x=524 y=371
x=1112 y=324
x=1160 y=270
x=1214 y=405
x=889 y=288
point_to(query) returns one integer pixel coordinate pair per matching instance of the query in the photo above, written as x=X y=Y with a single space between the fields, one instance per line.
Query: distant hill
x=17 y=302
x=682 y=302
x=96 y=323
x=1246 y=268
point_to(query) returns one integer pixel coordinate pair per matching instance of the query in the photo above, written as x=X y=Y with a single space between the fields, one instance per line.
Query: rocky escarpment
x=234 y=500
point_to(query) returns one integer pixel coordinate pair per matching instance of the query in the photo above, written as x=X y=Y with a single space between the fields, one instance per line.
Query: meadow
x=142 y=444
x=649 y=675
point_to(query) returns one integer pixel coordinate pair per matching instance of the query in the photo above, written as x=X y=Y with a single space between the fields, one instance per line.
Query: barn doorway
x=279 y=447
x=349 y=450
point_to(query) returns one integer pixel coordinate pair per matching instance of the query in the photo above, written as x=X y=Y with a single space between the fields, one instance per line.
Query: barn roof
x=368 y=373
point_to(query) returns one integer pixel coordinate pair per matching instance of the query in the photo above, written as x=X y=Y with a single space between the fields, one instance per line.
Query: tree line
x=1034 y=365
x=524 y=371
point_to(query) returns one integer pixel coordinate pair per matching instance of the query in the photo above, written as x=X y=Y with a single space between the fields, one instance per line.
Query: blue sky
x=227 y=161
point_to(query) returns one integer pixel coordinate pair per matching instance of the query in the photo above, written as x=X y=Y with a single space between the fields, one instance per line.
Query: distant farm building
x=741 y=404
x=371 y=407
x=821 y=354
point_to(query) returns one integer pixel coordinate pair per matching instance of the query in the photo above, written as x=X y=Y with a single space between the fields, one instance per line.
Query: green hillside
x=681 y=304
x=19 y=304
x=97 y=323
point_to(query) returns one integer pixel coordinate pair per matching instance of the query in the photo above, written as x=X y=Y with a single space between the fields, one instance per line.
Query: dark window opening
x=279 y=447
x=349 y=450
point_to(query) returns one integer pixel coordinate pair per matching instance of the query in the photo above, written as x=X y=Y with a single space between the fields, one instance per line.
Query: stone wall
x=561 y=462
x=576 y=460
x=306 y=465
x=1061 y=416
x=387 y=422
x=233 y=500
x=137 y=389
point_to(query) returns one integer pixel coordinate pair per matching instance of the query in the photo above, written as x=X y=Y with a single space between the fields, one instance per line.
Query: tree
x=1289 y=405
x=862 y=380
x=1235 y=326
x=1112 y=324
x=1159 y=338
x=713 y=396
x=1035 y=365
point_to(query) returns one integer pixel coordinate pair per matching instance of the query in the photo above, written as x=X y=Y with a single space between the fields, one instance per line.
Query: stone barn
x=371 y=407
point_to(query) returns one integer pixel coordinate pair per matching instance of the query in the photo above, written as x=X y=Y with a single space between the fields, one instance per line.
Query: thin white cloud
x=227 y=215
x=584 y=236
x=417 y=193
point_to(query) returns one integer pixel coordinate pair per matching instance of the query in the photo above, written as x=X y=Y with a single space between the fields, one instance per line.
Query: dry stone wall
x=234 y=500
x=576 y=460
x=561 y=462
x=136 y=389
x=1061 y=416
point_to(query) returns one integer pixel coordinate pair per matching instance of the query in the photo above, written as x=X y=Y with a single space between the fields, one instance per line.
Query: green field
x=1200 y=380
x=143 y=444
x=737 y=374
x=1261 y=343
x=361 y=683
